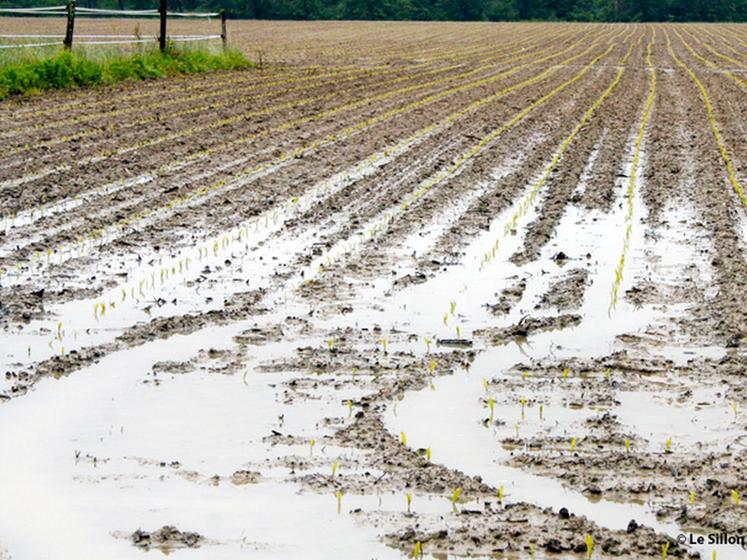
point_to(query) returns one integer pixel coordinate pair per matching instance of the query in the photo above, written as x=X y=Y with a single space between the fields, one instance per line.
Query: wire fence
x=71 y=12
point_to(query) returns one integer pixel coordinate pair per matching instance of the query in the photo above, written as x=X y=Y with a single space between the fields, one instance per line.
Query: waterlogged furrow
x=378 y=226
x=632 y=181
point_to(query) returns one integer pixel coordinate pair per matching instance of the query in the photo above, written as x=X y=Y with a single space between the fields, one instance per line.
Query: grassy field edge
x=68 y=69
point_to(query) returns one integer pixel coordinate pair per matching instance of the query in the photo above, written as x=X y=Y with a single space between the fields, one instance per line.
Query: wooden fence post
x=223 y=31
x=163 y=8
x=68 y=42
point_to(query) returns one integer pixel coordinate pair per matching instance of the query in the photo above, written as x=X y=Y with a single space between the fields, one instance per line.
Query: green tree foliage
x=454 y=10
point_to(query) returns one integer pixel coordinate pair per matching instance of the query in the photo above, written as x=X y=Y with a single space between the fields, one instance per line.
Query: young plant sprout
x=458 y=332
x=452 y=308
x=542 y=411
x=403 y=438
x=566 y=372
x=485 y=383
x=516 y=428
x=339 y=501
x=735 y=497
x=664 y=550
x=418 y=550
x=124 y=295
x=491 y=406
x=432 y=366
x=500 y=493
x=409 y=502
x=627 y=445
x=428 y=453
x=523 y=402
x=427 y=344
x=383 y=343
x=312 y=442
x=525 y=375
x=455 y=498
x=531 y=551
x=573 y=443
x=589 y=546
x=734 y=409
x=446 y=319
x=668 y=445
x=59 y=330
x=692 y=497
x=330 y=343
x=349 y=403
x=608 y=373
x=334 y=467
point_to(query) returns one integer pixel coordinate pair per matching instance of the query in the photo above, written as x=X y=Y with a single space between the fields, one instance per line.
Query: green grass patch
x=32 y=72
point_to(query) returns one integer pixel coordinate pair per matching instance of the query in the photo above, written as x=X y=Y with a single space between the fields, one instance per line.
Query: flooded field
x=438 y=290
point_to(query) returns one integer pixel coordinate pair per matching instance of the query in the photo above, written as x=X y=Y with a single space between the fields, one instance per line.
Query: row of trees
x=454 y=10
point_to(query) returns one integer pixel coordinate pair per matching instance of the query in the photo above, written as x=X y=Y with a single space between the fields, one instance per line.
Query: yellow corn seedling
x=428 y=453
x=668 y=445
x=500 y=493
x=446 y=319
x=525 y=375
x=485 y=383
x=542 y=411
x=735 y=497
x=458 y=332
x=692 y=497
x=312 y=442
x=339 y=501
x=452 y=308
x=59 y=330
x=516 y=429
x=409 y=502
x=455 y=498
x=491 y=406
x=608 y=373
x=573 y=443
x=664 y=550
x=589 y=546
x=403 y=438
x=427 y=344
x=349 y=404
x=432 y=366
x=713 y=555
x=330 y=343
x=334 y=467
x=531 y=551
x=734 y=409
x=418 y=550
x=383 y=343
x=523 y=403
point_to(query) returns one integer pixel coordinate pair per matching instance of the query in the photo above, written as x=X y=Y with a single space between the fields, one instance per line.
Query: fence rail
x=71 y=11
